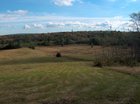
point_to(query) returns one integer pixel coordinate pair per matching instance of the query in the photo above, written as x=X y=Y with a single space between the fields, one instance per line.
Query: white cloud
x=42 y=22
x=115 y=23
x=49 y=22
x=26 y=26
x=55 y=24
x=63 y=2
x=18 y=12
x=35 y=25
x=11 y=16
x=40 y=26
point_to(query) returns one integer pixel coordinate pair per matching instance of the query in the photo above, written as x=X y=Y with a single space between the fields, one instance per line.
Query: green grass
x=71 y=79
x=66 y=82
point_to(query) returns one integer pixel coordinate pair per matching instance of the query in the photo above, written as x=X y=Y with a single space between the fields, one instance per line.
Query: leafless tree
x=135 y=18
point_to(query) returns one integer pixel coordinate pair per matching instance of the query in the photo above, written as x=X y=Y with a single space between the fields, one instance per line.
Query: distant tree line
x=107 y=38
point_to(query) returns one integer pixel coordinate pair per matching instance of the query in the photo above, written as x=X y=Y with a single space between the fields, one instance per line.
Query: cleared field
x=38 y=77
x=47 y=54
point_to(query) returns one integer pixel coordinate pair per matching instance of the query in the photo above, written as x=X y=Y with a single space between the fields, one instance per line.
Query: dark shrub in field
x=58 y=54
x=32 y=47
x=98 y=64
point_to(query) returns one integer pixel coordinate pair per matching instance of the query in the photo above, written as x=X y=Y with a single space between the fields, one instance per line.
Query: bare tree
x=135 y=18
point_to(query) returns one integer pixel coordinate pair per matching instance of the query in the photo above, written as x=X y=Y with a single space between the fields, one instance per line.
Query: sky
x=42 y=16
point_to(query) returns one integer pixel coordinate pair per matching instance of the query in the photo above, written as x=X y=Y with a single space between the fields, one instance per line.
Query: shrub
x=32 y=47
x=98 y=64
x=58 y=54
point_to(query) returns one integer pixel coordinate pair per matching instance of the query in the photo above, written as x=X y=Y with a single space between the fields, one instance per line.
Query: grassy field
x=38 y=77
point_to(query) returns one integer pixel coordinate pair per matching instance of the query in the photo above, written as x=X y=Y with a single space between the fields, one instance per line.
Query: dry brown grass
x=71 y=49
x=52 y=50
x=129 y=70
x=20 y=53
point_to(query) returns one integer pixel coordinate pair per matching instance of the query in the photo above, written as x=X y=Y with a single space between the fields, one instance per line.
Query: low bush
x=58 y=54
x=32 y=47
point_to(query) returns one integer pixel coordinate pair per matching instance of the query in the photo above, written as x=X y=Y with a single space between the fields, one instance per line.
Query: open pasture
x=37 y=77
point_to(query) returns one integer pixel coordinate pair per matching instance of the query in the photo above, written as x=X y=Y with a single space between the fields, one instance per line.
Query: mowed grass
x=38 y=77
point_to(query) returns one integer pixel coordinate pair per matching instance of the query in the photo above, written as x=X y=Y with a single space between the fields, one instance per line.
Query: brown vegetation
x=129 y=70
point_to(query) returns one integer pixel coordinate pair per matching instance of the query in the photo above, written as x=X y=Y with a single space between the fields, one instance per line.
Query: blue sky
x=38 y=16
